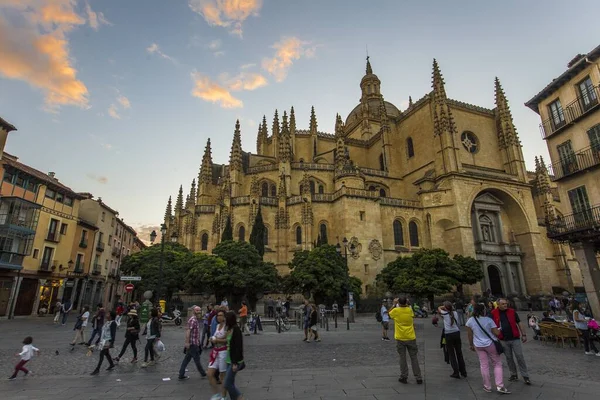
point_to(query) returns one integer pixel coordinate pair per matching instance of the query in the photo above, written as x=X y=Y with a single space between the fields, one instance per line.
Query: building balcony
x=53 y=236
x=572 y=112
x=19 y=214
x=100 y=246
x=48 y=266
x=116 y=252
x=78 y=268
x=583 y=225
x=583 y=160
x=83 y=243
x=11 y=260
x=97 y=269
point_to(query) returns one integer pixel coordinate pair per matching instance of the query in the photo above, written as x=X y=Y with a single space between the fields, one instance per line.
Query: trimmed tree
x=257 y=236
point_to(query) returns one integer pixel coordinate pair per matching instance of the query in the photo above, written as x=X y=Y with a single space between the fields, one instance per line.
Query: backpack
x=378 y=316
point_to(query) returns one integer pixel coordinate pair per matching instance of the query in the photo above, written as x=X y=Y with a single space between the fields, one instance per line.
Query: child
x=25 y=355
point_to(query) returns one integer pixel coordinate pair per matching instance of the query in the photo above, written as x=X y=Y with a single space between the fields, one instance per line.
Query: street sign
x=129 y=287
x=131 y=278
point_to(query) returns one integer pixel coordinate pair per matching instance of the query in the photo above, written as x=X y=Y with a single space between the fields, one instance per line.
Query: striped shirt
x=194 y=327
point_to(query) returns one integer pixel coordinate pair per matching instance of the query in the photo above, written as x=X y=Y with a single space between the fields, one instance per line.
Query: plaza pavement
x=353 y=364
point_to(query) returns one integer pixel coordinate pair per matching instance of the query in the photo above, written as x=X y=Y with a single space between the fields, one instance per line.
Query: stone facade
x=441 y=173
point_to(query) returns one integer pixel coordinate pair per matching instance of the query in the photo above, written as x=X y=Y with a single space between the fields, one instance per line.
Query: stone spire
x=168 y=211
x=438 y=82
x=275 y=130
x=313 y=121
x=187 y=201
x=285 y=150
x=192 y=195
x=507 y=134
x=179 y=202
x=340 y=147
x=292 y=122
x=410 y=102
x=542 y=179
x=205 y=175
x=264 y=131
x=235 y=157
x=369 y=69
x=259 y=139
x=262 y=137
x=370 y=84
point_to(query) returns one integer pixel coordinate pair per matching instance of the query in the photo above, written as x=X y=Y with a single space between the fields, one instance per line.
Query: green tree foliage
x=429 y=272
x=322 y=272
x=257 y=236
x=228 y=231
x=176 y=264
x=237 y=270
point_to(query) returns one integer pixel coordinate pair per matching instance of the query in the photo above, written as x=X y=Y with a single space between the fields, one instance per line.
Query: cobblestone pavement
x=352 y=364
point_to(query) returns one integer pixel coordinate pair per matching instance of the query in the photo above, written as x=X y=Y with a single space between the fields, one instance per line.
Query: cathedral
x=387 y=182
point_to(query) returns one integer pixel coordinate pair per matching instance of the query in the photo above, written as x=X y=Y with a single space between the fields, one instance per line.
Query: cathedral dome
x=373 y=104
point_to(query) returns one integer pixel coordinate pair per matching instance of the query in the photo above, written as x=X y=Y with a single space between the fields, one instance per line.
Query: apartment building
x=569 y=108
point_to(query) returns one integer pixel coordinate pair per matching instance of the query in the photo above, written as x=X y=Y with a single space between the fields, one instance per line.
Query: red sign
x=129 y=287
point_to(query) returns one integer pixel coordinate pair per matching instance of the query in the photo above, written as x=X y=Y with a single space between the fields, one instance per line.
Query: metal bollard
x=327 y=323
x=347 y=324
x=335 y=320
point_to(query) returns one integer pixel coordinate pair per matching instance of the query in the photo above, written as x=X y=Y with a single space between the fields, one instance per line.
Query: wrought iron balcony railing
x=100 y=246
x=580 y=161
x=576 y=109
x=584 y=224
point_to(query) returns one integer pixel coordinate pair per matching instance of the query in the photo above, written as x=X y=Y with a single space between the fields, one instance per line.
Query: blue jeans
x=96 y=331
x=64 y=318
x=229 y=384
x=193 y=352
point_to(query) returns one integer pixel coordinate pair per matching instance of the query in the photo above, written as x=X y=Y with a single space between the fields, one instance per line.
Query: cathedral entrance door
x=495 y=280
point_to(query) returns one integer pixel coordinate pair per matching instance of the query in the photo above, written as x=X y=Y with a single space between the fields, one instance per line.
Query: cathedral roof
x=356 y=113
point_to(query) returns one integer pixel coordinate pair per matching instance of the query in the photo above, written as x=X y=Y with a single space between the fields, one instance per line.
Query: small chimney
x=51 y=174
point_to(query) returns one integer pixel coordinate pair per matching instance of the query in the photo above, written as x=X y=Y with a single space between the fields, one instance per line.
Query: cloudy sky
x=118 y=97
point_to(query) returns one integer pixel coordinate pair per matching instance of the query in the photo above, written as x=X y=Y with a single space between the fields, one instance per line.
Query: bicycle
x=282 y=322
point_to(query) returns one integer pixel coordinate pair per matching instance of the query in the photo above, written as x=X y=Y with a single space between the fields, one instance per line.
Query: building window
x=59 y=197
x=52 y=229
x=68 y=201
x=381 y=192
x=103 y=216
x=594 y=135
x=381 y=162
x=323 y=233
x=587 y=94
x=410 y=150
x=204 y=241
x=266 y=237
x=299 y=235
x=47 y=257
x=265 y=189
x=112 y=223
x=413 y=232
x=8 y=176
x=566 y=155
x=580 y=204
x=469 y=142
x=557 y=114
x=361 y=214
x=79 y=262
x=63 y=229
x=36 y=253
x=366 y=268
x=50 y=193
x=273 y=191
x=242 y=234
x=312 y=187
x=31 y=186
x=20 y=181
x=398 y=234
x=321 y=189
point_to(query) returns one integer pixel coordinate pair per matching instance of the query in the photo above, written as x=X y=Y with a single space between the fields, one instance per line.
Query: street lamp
x=174 y=237
x=163 y=231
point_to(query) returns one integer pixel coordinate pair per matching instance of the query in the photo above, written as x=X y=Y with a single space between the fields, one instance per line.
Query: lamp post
x=163 y=231
x=338 y=249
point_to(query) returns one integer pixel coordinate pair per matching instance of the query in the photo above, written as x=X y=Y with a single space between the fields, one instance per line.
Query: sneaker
x=304 y=340
x=455 y=376
x=95 y=372
x=116 y=359
x=183 y=378
x=419 y=381
x=513 y=378
x=527 y=381
x=203 y=374
x=317 y=340
x=110 y=367
x=487 y=390
x=383 y=338
x=403 y=380
x=134 y=360
x=589 y=353
x=502 y=390
x=598 y=354
x=12 y=378
x=152 y=363
x=144 y=364
x=216 y=397
x=307 y=341
x=387 y=338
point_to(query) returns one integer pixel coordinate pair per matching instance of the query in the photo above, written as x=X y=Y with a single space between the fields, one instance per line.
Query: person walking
x=312 y=326
x=107 y=341
x=80 y=325
x=406 y=339
x=453 y=342
x=512 y=333
x=307 y=311
x=459 y=306
x=192 y=345
x=482 y=333
x=217 y=364
x=235 y=355
x=65 y=309
x=270 y=307
x=57 y=312
x=385 y=321
x=581 y=323
x=244 y=318
x=26 y=354
x=206 y=320
x=97 y=324
x=152 y=332
x=132 y=334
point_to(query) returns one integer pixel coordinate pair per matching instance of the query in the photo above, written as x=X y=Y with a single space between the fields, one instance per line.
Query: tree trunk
x=430 y=297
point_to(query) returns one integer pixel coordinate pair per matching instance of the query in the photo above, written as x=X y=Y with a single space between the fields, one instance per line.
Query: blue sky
x=119 y=97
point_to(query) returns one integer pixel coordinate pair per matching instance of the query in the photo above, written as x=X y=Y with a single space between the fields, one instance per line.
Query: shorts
x=220 y=362
x=306 y=324
x=386 y=325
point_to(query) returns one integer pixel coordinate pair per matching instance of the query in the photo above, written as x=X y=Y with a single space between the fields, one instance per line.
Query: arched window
x=398 y=234
x=273 y=191
x=321 y=189
x=372 y=188
x=242 y=235
x=312 y=187
x=265 y=189
x=381 y=192
x=413 y=232
x=266 y=236
x=323 y=233
x=381 y=162
x=410 y=151
x=299 y=235
x=204 y=241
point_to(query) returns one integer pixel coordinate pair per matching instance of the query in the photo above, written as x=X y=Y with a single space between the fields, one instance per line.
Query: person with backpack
x=132 y=334
x=383 y=317
x=80 y=325
x=108 y=336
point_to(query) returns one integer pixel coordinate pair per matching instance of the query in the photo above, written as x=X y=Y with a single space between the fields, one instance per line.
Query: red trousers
x=21 y=367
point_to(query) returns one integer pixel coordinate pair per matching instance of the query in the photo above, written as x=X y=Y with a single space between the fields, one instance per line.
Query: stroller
x=594 y=329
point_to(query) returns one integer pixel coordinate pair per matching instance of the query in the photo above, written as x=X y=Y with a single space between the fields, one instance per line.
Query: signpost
x=129 y=287
x=131 y=278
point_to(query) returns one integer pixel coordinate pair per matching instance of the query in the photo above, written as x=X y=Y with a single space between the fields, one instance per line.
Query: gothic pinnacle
x=507 y=133
x=313 y=120
x=193 y=192
x=292 y=121
x=264 y=127
x=438 y=82
x=179 y=202
x=168 y=211
x=235 y=157
x=284 y=124
x=369 y=69
x=275 y=129
x=410 y=102
x=205 y=175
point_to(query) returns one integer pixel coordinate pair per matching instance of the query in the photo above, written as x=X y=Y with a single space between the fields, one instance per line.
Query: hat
x=132 y=312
